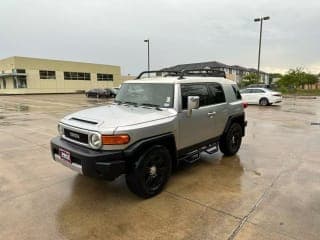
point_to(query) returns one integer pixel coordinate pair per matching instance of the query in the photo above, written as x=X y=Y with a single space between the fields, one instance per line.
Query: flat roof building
x=24 y=75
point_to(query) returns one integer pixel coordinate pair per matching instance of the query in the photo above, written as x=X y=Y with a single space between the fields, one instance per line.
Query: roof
x=186 y=79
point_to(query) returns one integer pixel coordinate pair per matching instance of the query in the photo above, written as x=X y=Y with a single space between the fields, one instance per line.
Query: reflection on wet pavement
x=269 y=190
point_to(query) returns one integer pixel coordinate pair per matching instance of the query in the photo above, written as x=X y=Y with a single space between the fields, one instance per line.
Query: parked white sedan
x=262 y=96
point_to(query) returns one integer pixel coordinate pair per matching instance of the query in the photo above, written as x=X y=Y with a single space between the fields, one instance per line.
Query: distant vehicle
x=258 y=85
x=113 y=91
x=98 y=93
x=262 y=96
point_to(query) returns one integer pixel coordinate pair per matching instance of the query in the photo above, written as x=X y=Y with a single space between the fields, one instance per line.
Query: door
x=218 y=107
x=198 y=127
x=247 y=95
x=257 y=94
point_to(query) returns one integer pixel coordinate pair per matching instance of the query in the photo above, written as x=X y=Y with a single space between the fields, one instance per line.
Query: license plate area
x=65 y=155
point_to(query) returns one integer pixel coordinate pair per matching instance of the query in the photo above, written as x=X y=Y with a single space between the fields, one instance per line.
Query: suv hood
x=109 y=117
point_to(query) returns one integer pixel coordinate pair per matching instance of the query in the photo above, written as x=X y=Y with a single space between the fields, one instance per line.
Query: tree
x=250 y=78
x=297 y=78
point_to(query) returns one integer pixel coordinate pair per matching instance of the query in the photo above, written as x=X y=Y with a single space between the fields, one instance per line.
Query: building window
x=44 y=74
x=77 y=76
x=20 y=71
x=4 y=83
x=20 y=78
x=104 y=77
x=20 y=82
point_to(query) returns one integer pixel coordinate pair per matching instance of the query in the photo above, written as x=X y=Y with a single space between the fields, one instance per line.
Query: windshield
x=149 y=94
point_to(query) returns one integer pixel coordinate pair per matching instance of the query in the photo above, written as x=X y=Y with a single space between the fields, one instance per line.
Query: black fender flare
x=239 y=118
x=136 y=149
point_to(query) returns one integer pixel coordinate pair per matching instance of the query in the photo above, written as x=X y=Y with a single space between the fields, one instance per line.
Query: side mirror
x=193 y=103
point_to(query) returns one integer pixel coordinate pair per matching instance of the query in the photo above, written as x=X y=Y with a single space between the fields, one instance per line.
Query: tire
x=150 y=173
x=230 y=142
x=264 y=102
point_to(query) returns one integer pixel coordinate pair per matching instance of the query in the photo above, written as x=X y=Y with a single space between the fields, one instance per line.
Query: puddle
x=293 y=110
x=20 y=107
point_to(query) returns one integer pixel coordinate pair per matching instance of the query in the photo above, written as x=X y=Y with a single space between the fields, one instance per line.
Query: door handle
x=211 y=114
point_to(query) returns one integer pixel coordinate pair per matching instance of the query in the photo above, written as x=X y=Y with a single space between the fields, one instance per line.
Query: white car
x=262 y=96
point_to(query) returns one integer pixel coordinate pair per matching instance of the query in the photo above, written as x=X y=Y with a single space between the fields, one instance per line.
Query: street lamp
x=261 y=19
x=148 y=41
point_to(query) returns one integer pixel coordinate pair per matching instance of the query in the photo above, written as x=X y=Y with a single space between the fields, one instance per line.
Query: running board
x=212 y=148
x=191 y=157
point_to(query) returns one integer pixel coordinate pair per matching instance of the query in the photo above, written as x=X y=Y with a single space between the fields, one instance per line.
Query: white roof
x=185 y=79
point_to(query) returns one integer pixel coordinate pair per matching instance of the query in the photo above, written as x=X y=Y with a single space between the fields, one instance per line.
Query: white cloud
x=180 y=31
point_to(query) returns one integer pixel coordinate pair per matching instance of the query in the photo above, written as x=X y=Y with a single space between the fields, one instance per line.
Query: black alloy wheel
x=150 y=173
x=230 y=142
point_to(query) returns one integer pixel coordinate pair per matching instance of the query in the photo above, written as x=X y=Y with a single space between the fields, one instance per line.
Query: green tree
x=248 y=79
x=297 y=78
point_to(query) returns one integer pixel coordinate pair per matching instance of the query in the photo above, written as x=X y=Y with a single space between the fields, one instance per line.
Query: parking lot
x=269 y=190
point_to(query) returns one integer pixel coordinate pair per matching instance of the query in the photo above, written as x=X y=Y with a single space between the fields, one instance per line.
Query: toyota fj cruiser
x=154 y=124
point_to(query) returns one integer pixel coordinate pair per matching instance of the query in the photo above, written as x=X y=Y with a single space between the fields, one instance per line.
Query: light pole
x=261 y=19
x=148 y=41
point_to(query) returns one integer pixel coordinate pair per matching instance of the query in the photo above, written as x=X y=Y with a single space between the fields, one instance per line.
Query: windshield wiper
x=151 y=105
x=126 y=102
x=130 y=103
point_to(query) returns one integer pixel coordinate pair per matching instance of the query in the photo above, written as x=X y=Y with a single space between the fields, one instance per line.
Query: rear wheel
x=150 y=173
x=230 y=142
x=264 y=102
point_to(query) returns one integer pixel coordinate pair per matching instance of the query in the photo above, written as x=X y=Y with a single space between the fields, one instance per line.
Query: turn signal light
x=115 y=139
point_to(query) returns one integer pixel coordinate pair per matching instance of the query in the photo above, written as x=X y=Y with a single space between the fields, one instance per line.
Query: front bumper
x=93 y=163
x=276 y=100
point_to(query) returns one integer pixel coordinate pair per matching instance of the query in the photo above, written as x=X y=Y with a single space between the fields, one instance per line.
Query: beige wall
x=58 y=85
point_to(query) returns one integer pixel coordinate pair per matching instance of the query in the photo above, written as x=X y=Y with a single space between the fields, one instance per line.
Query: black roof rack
x=159 y=72
x=204 y=73
x=193 y=72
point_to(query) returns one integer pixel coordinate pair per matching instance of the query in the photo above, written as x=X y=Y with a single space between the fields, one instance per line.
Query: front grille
x=76 y=136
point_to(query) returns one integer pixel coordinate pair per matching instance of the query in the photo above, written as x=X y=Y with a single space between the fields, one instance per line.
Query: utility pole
x=148 y=41
x=261 y=19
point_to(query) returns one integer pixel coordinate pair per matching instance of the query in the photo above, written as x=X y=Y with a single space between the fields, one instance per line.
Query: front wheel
x=230 y=142
x=150 y=173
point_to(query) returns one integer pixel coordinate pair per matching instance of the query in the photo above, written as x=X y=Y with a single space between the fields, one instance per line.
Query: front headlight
x=95 y=140
x=60 y=130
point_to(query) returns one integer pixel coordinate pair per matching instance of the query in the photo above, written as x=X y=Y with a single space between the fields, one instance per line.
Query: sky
x=180 y=31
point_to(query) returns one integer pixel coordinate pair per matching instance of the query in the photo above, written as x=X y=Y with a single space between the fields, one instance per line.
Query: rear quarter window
x=236 y=92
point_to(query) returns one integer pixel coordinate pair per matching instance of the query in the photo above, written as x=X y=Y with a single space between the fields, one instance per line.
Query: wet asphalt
x=269 y=190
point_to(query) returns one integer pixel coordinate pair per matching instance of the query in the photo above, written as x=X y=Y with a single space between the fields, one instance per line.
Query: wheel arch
x=239 y=118
x=167 y=140
x=264 y=97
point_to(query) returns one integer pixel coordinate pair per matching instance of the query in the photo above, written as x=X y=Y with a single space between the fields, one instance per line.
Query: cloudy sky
x=180 y=31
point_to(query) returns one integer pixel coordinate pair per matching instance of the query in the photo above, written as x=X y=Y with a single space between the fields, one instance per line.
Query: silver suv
x=153 y=125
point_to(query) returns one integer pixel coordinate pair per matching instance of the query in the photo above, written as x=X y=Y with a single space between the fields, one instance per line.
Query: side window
x=236 y=92
x=200 y=90
x=217 y=94
x=256 y=91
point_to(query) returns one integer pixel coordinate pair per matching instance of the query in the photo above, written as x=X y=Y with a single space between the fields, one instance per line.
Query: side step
x=212 y=148
x=191 y=157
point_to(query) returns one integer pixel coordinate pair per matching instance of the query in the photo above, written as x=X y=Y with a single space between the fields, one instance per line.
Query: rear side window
x=256 y=91
x=217 y=94
x=200 y=90
x=236 y=92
